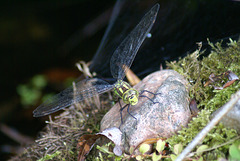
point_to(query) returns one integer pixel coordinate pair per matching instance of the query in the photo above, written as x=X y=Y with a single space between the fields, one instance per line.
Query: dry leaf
x=86 y=142
x=132 y=77
x=232 y=77
x=193 y=107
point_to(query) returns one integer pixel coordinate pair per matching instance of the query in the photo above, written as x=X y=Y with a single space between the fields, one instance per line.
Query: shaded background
x=48 y=38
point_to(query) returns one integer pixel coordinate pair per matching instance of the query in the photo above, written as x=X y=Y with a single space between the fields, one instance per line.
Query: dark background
x=49 y=37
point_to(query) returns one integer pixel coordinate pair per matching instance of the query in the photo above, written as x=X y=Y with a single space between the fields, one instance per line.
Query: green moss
x=197 y=72
x=31 y=92
x=50 y=156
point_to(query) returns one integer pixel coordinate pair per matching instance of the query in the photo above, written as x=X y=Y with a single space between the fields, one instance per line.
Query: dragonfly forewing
x=127 y=50
x=84 y=89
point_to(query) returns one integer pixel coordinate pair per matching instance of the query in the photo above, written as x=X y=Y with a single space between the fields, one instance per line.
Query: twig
x=226 y=108
x=218 y=146
x=15 y=135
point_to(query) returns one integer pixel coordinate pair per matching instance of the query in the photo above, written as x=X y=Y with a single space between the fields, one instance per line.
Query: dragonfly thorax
x=128 y=94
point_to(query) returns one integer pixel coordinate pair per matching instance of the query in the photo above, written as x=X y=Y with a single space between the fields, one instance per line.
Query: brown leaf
x=212 y=78
x=86 y=142
x=193 y=107
x=229 y=83
x=232 y=77
x=132 y=77
x=207 y=83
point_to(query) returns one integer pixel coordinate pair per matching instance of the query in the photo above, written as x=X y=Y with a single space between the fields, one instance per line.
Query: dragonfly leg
x=148 y=97
x=149 y=92
x=121 y=109
x=130 y=113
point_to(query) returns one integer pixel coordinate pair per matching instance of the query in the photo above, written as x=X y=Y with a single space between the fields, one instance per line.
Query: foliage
x=50 y=156
x=30 y=93
x=216 y=136
x=197 y=72
x=107 y=154
x=177 y=149
x=234 y=151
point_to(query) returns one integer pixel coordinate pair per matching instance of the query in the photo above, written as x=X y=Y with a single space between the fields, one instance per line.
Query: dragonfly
x=121 y=60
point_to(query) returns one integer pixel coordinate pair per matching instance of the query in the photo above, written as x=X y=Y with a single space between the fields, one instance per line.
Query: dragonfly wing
x=124 y=55
x=84 y=89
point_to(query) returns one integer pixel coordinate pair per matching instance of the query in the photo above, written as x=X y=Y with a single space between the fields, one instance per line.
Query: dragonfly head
x=131 y=96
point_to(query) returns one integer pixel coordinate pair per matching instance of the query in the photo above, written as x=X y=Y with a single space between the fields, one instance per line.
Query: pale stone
x=161 y=119
x=232 y=118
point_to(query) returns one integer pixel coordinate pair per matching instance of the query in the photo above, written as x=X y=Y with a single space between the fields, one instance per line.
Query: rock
x=232 y=118
x=161 y=119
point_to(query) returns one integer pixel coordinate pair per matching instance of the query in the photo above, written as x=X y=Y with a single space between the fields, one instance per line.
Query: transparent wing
x=84 y=89
x=125 y=53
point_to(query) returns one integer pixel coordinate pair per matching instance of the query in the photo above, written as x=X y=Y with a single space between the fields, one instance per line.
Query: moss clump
x=219 y=61
x=197 y=71
x=216 y=136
